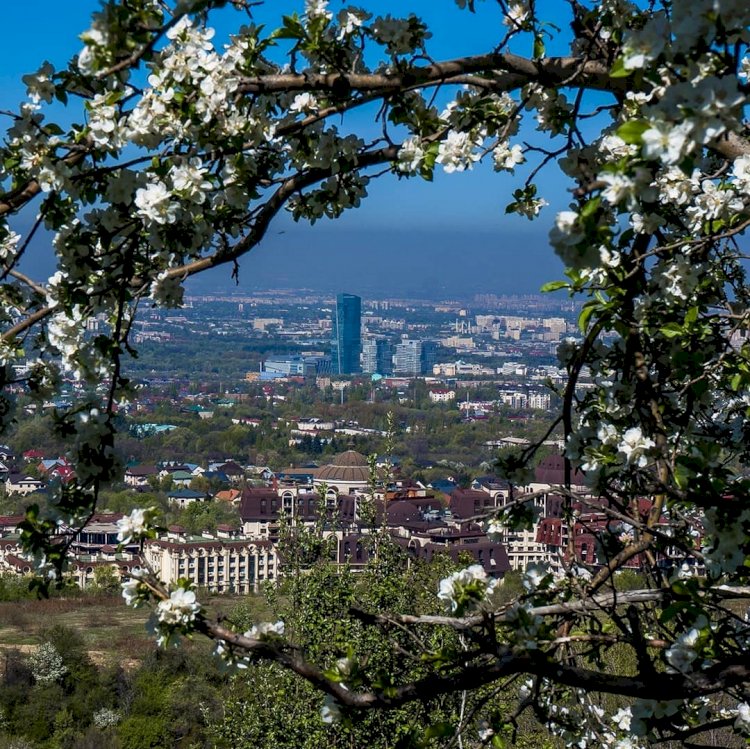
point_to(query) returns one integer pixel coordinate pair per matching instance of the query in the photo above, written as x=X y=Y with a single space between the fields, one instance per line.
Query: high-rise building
x=407 y=361
x=346 y=344
x=377 y=356
x=413 y=358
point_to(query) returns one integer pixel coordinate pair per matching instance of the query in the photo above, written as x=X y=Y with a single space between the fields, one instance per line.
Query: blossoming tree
x=187 y=152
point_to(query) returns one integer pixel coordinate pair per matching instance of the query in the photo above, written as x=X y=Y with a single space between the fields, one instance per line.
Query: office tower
x=429 y=356
x=377 y=356
x=346 y=344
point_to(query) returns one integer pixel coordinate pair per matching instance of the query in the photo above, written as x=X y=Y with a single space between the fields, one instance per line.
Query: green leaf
x=590 y=208
x=583 y=319
x=672 y=611
x=632 y=131
x=671 y=330
x=554 y=286
x=292 y=29
x=539 y=48
x=619 y=70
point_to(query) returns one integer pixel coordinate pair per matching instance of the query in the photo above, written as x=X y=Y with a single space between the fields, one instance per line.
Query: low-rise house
x=138 y=476
x=9 y=524
x=216 y=476
x=10 y=545
x=227 y=531
x=247 y=421
x=442 y=395
x=233 y=471
x=169 y=468
x=61 y=473
x=17 y=483
x=182 y=478
x=183 y=497
x=263 y=473
x=48 y=465
x=228 y=495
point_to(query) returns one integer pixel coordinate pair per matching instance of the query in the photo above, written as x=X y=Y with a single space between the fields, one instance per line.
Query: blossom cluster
x=467 y=589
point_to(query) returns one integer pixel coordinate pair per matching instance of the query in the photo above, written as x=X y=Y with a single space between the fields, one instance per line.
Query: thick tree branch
x=487 y=669
x=505 y=71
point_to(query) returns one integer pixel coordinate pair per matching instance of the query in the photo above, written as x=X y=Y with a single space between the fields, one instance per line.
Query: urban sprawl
x=316 y=393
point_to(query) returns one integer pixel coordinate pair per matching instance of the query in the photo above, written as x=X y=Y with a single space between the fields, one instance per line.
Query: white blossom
x=410 y=155
x=682 y=653
x=518 y=12
x=104 y=122
x=317 y=9
x=106 y=717
x=331 y=711
x=666 y=142
x=350 y=21
x=495 y=530
x=155 y=205
x=645 y=45
x=622 y=718
x=304 y=102
x=634 y=445
x=471 y=582
x=678 y=277
x=743 y=718
x=533 y=576
x=39 y=85
x=457 y=152
x=166 y=290
x=179 y=609
x=47 y=665
x=133 y=526
x=190 y=181
x=565 y=232
x=507 y=157
x=131 y=591
x=264 y=629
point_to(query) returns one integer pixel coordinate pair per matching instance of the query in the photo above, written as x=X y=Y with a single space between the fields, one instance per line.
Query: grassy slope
x=111 y=631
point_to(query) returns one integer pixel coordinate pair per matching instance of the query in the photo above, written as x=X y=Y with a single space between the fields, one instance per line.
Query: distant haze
x=420 y=263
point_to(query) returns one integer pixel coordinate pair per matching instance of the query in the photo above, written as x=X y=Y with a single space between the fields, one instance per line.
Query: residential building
x=377 y=356
x=221 y=565
x=407 y=359
x=442 y=396
x=17 y=483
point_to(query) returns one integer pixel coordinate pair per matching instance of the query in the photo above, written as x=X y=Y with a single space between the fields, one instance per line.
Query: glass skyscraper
x=347 y=339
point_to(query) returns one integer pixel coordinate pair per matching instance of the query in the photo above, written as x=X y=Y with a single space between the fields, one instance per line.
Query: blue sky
x=409 y=236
